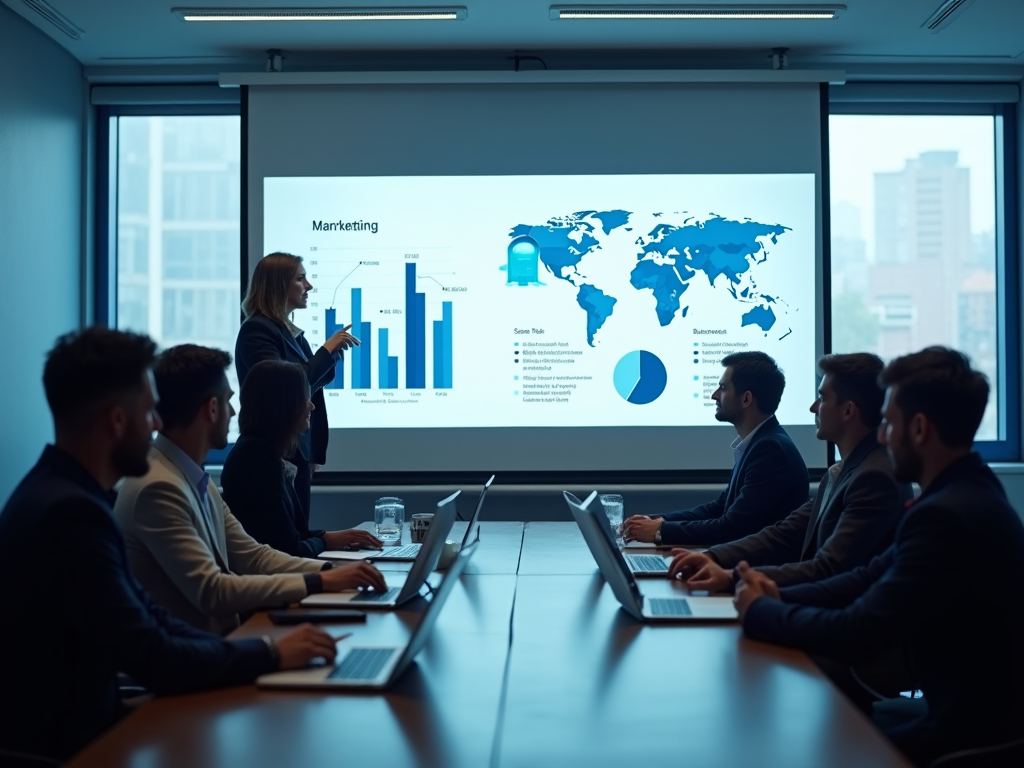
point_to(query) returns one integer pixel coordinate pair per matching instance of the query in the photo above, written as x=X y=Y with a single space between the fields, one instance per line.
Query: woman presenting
x=278 y=287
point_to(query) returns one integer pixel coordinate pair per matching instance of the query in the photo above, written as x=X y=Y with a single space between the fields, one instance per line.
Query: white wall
x=42 y=109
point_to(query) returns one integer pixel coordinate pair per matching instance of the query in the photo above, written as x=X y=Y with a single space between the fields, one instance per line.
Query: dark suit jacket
x=263 y=500
x=263 y=338
x=768 y=482
x=858 y=522
x=947 y=589
x=80 y=618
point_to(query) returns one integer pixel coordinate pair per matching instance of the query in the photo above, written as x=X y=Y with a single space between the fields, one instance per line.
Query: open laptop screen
x=475 y=519
x=422 y=631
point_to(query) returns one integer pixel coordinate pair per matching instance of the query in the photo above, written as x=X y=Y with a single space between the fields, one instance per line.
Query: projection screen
x=545 y=276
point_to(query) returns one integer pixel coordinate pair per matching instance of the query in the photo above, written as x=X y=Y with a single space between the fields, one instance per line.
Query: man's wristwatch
x=657 y=534
x=275 y=652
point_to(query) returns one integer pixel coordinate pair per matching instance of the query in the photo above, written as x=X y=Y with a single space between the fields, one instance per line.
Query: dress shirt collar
x=739 y=445
x=196 y=475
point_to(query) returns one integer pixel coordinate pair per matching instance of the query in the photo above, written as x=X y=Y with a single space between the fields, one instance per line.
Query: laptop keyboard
x=377 y=597
x=647 y=563
x=409 y=550
x=669 y=606
x=362 y=664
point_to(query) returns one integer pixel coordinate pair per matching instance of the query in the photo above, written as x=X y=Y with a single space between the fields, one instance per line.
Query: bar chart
x=332 y=327
x=387 y=363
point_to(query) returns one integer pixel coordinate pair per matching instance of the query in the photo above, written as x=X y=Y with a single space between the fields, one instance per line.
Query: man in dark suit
x=78 y=625
x=962 y=636
x=769 y=477
x=853 y=515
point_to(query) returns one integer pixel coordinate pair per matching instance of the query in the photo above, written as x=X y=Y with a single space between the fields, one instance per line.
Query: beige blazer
x=204 y=573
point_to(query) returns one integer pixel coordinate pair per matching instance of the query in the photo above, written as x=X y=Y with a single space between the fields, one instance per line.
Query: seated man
x=962 y=635
x=769 y=479
x=78 y=624
x=184 y=545
x=853 y=515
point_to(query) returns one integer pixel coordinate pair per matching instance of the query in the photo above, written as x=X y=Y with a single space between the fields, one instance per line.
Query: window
x=176 y=182
x=915 y=212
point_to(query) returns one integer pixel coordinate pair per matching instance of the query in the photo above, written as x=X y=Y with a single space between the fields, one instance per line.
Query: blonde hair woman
x=277 y=288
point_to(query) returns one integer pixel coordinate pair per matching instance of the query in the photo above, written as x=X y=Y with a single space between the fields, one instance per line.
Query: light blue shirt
x=196 y=475
x=739 y=446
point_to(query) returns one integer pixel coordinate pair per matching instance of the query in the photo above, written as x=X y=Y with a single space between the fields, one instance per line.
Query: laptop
x=375 y=666
x=643 y=563
x=598 y=534
x=425 y=562
x=475 y=519
x=405 y=551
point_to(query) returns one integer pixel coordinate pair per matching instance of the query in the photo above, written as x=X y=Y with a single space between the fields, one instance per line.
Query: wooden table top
x=532 y=664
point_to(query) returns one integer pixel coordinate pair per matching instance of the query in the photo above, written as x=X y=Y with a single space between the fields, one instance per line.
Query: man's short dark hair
x=87 y=367
x=940 y=383
x=855 y=378
x=273 y=399
x=186 y=377
x=757 y=373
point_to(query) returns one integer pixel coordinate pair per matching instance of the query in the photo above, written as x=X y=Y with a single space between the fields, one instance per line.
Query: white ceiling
x=144 y=33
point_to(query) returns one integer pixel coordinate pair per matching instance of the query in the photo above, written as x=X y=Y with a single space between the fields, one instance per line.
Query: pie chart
x=640 y=377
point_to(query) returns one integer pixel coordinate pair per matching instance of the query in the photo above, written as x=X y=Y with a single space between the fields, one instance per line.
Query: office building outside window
x=913 y=238
x=178 y=189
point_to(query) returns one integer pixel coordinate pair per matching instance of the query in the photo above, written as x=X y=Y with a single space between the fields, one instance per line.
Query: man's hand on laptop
x=752 y=586
x=712 y=577
x=359 y=574
x=353 y=538
x=303 y=644
x=685 y=563
x=640 y=528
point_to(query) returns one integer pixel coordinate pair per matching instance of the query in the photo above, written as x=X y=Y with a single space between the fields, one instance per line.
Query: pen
x=339 y=638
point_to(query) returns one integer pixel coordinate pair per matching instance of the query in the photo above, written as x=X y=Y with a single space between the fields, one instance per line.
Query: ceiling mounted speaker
x=55 y=17
x=946 y=14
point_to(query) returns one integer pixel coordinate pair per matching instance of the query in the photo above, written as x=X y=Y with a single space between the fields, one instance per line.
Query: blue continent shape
x=598 y=306
x=762 y=316
x=718 y=246
x=664 y=283
x=557 y=249
x=612 y=220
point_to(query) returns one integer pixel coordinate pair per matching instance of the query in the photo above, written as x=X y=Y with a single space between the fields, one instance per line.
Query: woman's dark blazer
x=264 y=338
x=263 y=499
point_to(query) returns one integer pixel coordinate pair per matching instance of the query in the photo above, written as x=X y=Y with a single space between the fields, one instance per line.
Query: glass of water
x=388 y=516
x=613 y=509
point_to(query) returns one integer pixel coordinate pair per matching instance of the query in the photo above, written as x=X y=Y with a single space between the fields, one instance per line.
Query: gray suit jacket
x=203 y=573
x=858 y=522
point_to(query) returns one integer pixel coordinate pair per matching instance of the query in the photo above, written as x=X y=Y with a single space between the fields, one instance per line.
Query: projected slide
x=551 y=301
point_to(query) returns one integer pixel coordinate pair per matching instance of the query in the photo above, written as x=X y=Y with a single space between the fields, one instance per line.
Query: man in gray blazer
x=853 y=515
x=183 y=543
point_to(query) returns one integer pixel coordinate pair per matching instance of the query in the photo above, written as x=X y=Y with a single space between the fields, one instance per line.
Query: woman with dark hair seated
x=259 y=483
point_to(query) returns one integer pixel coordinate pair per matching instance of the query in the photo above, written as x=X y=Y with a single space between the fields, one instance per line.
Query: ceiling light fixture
x=321 y=14
x=697 y=12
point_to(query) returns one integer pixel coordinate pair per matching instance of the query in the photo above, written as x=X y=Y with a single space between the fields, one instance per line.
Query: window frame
x=105 y=285
x=1007 y=245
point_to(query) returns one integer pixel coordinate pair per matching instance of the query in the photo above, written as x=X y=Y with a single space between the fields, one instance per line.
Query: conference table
x=532 y=663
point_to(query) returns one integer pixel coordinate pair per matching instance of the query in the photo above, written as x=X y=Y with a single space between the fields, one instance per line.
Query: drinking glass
x=614 y=508
x=388 y=516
